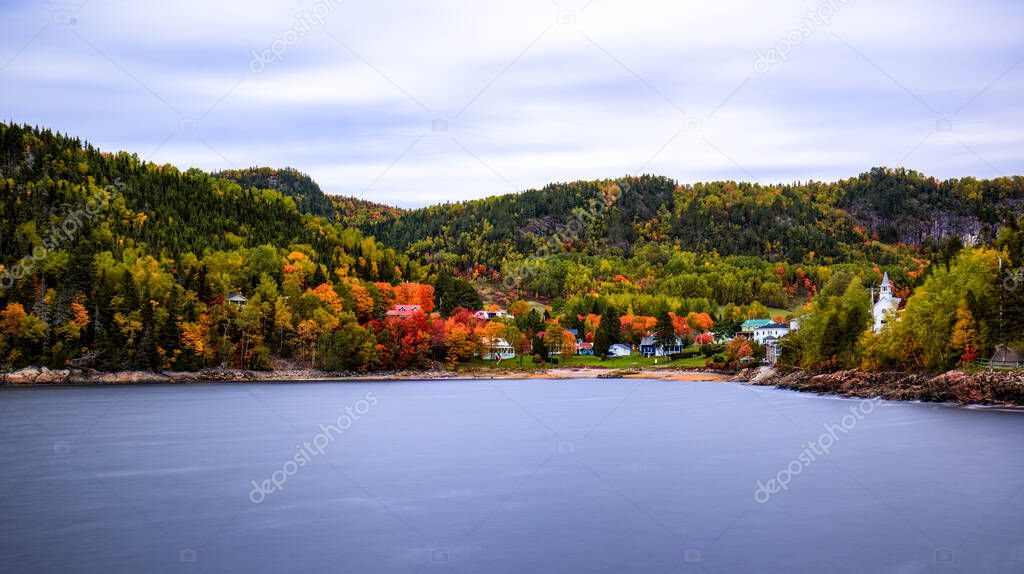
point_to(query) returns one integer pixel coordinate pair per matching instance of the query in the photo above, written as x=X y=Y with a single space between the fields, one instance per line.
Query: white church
x=886 y=305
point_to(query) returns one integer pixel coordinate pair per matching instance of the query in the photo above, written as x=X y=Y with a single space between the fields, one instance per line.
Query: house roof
x=399 y=310
x=236 y=297
x=751 y=324
x=649 y=341
x=773 y=326
x=1006 y=354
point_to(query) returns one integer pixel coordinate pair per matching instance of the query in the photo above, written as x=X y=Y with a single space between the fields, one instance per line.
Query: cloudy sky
x=417 y=102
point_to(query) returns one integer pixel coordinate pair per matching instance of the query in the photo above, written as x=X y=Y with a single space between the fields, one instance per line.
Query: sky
x=419 y=102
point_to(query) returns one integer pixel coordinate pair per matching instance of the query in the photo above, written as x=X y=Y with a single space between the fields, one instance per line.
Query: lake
x=503 y=476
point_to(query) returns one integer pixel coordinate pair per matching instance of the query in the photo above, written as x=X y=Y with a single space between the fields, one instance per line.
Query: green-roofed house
x=750 y=325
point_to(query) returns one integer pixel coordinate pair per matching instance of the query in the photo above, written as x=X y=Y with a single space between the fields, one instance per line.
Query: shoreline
x=984 y=388
x=42 y=376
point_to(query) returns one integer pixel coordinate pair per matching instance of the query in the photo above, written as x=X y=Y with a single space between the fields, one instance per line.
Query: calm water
x=509 y=476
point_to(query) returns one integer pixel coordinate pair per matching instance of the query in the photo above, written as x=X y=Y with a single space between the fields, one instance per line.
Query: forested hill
x=111 y=262
x=838 y=221
x=308 y=196
x=154 y=210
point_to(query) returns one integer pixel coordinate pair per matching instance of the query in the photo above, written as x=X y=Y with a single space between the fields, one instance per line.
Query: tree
x=519 y=308
x=965 y=332
x=309 y=332
x=451 y=292
x=664 y=331
x=540 y=348
x=461 y=340
x=607 y=332
x=830 y=344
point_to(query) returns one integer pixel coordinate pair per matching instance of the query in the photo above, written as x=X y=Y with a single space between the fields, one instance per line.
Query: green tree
x=607 y=333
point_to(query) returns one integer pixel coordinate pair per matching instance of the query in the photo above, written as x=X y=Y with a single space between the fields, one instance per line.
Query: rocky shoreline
x=960 y=387
x=43 y=376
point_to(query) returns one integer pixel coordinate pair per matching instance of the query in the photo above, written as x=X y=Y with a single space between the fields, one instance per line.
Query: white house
x=619 y=350
x=488 y=315
x=776 y=330
x=499 y=349
x=649 y=348
x=237 y=299
x=886 y=305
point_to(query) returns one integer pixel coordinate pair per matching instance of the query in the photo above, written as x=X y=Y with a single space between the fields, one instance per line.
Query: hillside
x=308 y=196
x=105 y=255
x=111 y=262
x=847 y=220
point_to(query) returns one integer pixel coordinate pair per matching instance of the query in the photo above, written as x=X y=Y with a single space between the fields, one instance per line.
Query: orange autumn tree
x=415 y=294
x=679 y=324
x=362 y=301
x=556 y=337
x=327 y=296
x=636 y=327
x=519 y=308
x=699 y=322
x=736 y=350
x=462 y=340
x=590 y=323
x=387 y=294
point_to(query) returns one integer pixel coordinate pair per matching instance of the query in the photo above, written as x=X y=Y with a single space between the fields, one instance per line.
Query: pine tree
x=830 y=344
x=607 y=333
x=664 y=331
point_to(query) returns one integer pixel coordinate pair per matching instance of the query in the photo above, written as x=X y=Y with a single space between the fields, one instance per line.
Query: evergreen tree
x=607 y=333
x=540 y=349
x=664 y=331
x=830 y=345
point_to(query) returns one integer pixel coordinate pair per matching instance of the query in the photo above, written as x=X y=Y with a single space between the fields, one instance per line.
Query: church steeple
x=885 y=290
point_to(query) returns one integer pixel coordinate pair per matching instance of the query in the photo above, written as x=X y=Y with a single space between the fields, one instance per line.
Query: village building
x=750 y=325
x=237 y=299
x=488 y=315
x=498 y=349
x=1004 y=356
x=774 y=330
x=650 y=348
x=404 y=311
x=885 y=306
x=619 y=350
